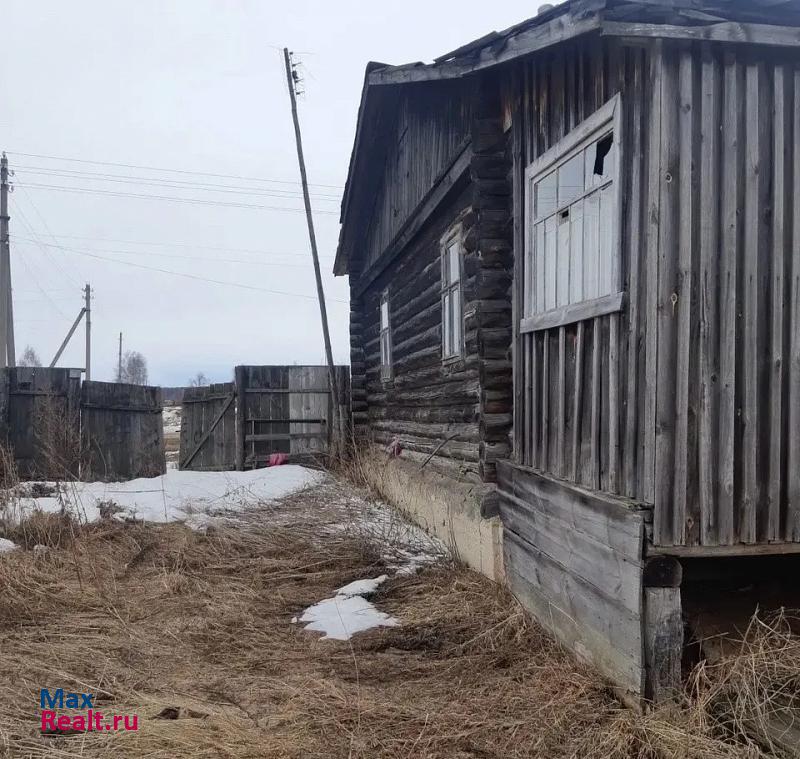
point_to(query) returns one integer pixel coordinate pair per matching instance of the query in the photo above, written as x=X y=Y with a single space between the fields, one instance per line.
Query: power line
x=197 y=277
x=172 y=171
x=254 y=251
x=46 y=226
x=190 y=201
x=173 y=184
x=28 y=241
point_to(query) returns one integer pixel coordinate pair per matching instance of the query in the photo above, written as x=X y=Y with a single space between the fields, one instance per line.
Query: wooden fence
x=266 y=410
x=60 y=428
x=122 y=431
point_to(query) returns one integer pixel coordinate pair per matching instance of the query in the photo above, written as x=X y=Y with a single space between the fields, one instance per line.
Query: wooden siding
x=432 y=122
x=575 y=559
x=727 y=419
x=580 y=388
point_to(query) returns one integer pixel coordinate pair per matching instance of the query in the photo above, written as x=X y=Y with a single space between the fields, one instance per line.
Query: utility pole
x=88 y=310
x=7 y=350
x=119 y=362
x=291 y=81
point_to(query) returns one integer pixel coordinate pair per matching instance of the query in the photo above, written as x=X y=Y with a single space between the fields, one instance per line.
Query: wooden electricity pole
x=7 y=348
x=119 y=361
x=88 y=310
x=291 y=79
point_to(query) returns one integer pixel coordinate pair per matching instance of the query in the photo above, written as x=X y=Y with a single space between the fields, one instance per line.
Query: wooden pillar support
x=663 y=627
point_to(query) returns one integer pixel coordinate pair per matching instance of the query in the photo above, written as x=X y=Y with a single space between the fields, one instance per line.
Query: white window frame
x=608 y=119
x=385 y=338
x=448 y=288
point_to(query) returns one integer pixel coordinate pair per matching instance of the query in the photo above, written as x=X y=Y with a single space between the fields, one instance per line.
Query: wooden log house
x=574 y=260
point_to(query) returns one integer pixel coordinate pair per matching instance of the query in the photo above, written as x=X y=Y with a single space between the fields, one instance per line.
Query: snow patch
x=6 y=545
x=193 y=497
x=341 y=617
x=348 y=612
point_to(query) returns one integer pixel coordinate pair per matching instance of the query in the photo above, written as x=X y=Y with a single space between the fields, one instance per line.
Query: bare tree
x=134 y=369
x=29 y=357
x=199 y=380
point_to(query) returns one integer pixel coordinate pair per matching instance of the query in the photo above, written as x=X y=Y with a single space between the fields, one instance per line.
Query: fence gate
x=208 y=422
x=41 y=415
x=283 y=409
x=122 y=433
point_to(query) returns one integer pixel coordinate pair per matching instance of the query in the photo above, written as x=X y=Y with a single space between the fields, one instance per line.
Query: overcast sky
x=197 y=86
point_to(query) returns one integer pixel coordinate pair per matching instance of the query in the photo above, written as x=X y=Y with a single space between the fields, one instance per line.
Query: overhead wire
x=171 y=198
x=199 y=278
x=170 y=170
x=173 y=184
x=193 y=246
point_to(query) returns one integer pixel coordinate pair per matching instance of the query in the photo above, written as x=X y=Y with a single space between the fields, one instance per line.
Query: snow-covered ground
x=194 y=497
x=172 y=420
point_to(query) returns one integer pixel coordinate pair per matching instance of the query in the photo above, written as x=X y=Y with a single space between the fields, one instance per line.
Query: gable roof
x=767 y=22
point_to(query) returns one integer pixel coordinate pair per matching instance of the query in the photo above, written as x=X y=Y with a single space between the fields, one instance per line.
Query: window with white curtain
x=571 y=265
x=452 y=300
x=386 y=338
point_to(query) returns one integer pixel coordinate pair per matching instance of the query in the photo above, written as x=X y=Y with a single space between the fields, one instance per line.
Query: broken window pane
x=600 y=161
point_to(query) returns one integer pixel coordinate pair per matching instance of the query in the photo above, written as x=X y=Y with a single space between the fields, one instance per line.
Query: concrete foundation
x=442 y=505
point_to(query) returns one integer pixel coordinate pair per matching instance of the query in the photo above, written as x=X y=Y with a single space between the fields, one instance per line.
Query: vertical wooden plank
x=596 y=408
x=533 y=409
x=731 y=198
x=792 y=529
x=709 y=296
x=544 y=458
x=241 y=398
x=663 y=633
x=684 y=523
x=753 y=320
x=578 y=401
x=522 y=398
x=781 y=206
x=634 y=203
x=528 y=401
x=562 y=400
x=613 y=403
x=668 y=287
x=654 y=117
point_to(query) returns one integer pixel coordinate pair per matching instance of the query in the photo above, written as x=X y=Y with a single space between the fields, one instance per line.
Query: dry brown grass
x=160 y=617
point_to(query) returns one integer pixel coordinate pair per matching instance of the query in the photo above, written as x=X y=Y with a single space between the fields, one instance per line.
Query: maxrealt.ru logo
x=89 y=721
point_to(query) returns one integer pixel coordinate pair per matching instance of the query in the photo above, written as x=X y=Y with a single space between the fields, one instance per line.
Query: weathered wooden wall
x=431 y=122
x=727 y=305
x=40 y=416
x=208 y=428
x=122 y=431
x=463 y=408
x=580 y=388
x=575 y=559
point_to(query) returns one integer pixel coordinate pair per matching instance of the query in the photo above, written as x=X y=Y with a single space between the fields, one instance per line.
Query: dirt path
x=192 y=632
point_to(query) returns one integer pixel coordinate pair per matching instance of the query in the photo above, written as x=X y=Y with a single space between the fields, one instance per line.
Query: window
x=386 y=338
x=571 y=258
x=452 y=314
